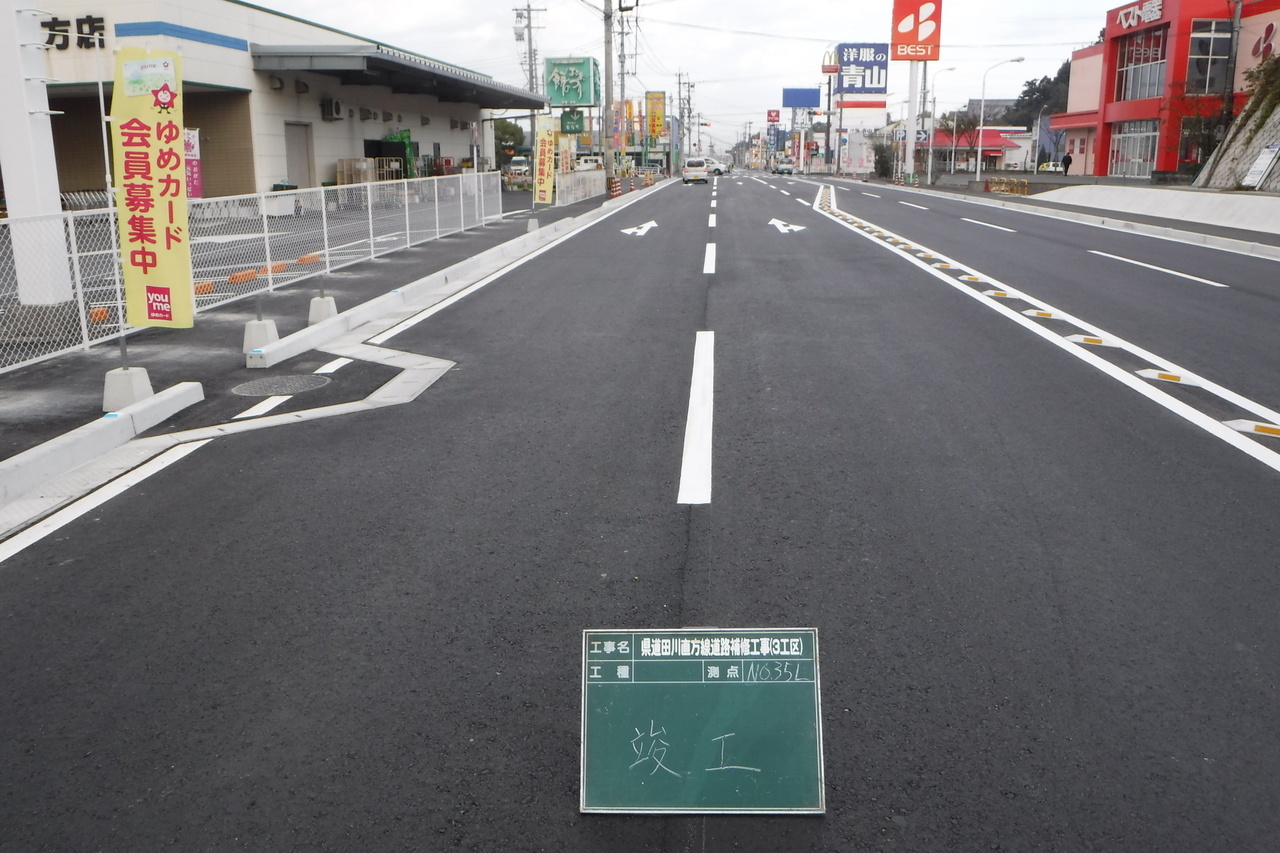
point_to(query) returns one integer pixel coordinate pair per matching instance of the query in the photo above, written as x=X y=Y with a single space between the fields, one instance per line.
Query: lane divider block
x=1035 y=312
x=1089 y=339
x=998 y=294
x=1254 y=427
x=1152 y=373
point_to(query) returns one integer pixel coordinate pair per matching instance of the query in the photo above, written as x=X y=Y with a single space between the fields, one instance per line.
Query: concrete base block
x=322 y=308
x=124 y=387
x=40 y=323
x=533 y=225
x=259 y=333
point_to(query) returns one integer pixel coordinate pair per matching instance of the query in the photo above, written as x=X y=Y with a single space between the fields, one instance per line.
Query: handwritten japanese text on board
x=701 y=721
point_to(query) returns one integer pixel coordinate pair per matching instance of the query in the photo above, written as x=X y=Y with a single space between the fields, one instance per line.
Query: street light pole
x=933 y=123
x=1035 y=167
x=982 y=109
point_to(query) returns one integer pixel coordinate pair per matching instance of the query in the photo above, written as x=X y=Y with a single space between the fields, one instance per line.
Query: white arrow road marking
x=640 y=230
x=785 y=227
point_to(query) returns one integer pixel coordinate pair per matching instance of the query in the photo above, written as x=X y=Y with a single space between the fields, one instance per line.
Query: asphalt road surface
x=1042 y=569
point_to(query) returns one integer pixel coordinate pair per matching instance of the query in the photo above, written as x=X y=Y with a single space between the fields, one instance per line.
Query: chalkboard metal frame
x=675 y=721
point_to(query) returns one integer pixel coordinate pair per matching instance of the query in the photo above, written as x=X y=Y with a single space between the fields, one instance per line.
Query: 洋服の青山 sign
x=864 y=69
x=917 y=29
x=150 y=185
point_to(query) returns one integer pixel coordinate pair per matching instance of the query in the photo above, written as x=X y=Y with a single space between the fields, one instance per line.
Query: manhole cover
x=274 y=386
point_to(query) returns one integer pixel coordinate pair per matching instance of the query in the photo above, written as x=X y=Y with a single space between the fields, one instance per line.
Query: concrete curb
x=34 y=468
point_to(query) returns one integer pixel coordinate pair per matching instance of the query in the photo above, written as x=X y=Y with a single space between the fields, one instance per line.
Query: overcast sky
x=739 y=53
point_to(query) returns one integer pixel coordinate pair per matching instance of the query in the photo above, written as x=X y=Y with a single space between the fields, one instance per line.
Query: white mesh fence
x=60 y=285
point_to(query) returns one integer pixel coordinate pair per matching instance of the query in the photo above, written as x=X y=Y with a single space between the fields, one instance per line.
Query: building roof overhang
x=1073 y=121
x=403 y=73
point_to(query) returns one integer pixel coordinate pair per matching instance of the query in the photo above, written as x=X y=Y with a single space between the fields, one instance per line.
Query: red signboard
x=775 y=116
x=917 y=30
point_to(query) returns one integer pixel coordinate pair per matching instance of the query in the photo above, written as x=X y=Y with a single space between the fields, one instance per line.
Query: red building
x=1153 y=95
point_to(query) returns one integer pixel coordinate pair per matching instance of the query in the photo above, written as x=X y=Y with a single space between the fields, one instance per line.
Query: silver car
x=695 y=169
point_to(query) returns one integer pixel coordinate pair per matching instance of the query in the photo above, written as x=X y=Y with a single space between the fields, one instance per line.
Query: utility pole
x=524 y=32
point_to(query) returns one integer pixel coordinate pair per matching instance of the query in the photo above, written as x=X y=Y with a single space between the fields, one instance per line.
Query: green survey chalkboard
x=701 y=721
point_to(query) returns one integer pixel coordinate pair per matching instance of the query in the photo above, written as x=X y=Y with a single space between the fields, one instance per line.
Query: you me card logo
x=917 y=30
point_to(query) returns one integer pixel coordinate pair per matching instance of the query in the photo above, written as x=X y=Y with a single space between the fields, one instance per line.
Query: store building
x=1153 y=95
x=276 y=99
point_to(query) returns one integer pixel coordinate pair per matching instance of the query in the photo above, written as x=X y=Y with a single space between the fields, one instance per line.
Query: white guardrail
x=66 y=294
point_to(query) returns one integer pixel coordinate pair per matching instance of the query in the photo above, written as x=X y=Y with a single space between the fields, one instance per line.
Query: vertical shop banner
x=618 y=116
x=150 y=177
x=544 y=161
x=656 y=108
x=917 y=30
x=191 y=156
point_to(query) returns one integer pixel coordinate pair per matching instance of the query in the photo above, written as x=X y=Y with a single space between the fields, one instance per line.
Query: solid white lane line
x=709 y=262
x=334 y=366
x=695 y=467
x=711 y=221
x=987 y=224
x=263 y=407
x=917 y=206
x=1158 y=269
x=92 y=501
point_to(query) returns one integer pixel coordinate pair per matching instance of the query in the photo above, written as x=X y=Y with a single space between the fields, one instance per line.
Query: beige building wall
x=1085 y=92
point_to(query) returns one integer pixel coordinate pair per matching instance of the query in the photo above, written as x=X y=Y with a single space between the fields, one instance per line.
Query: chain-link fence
x=60 y=285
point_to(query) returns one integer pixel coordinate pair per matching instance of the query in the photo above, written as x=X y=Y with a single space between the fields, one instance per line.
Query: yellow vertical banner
x=544 y=160
x=656 y=108
x=150 y=185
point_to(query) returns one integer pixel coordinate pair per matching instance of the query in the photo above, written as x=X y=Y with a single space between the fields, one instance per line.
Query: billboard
x=655 y=109
x=864 y=69
x=150 y=176
x=572 y=82
x=917 y=30
x=802 y=98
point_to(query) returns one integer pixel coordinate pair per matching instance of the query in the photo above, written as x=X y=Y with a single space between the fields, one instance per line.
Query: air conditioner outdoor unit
x=331 y=109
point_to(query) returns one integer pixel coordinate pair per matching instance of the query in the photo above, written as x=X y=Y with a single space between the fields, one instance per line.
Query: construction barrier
x=1007 y=186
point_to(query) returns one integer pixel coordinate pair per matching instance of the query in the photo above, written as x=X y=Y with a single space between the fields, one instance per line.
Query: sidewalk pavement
x=42 y=404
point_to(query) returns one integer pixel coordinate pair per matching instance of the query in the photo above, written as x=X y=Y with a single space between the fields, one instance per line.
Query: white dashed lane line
x=987 y=225
x=1158 y=269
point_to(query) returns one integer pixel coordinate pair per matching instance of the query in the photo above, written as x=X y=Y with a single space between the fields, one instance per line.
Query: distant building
x=995 y=108
x=1153 y=96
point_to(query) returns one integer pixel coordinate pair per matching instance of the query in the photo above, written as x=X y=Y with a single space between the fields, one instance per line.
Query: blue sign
x=802 y=98
x=864 y=69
